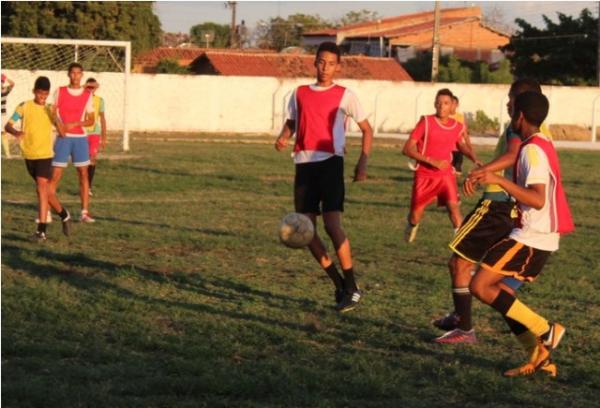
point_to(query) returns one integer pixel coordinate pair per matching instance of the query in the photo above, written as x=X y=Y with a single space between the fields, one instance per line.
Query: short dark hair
x=455 y=98
x=444 y=91
x=329 y=46
x=74 y=65
x=42 y=84
x=534 y=107
x=525 y=85
x=91 y=81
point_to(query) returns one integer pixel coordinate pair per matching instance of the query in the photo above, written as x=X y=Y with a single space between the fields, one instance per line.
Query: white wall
x=256 y=104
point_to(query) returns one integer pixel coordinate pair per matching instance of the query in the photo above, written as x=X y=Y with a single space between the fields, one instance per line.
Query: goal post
x=24 y=59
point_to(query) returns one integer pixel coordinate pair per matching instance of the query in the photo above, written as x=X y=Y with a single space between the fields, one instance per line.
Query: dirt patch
x=572 y=132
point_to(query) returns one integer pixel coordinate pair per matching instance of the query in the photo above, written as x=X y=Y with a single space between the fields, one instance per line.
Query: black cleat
x=39 y=236
x=349 y=301
x=448 y=322
x=339 y=295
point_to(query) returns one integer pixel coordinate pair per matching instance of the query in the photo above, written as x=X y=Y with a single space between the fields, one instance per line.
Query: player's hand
x=60 y=128
x=360 y=170
x=481 y=176
x=478 y=163
x=280 y=143
x=469 y=187
x=103 y=143
x=440 y=164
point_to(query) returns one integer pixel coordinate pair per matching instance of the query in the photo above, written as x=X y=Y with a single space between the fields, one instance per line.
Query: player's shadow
x=392 y=204
x=206 y=231
x=164 y=172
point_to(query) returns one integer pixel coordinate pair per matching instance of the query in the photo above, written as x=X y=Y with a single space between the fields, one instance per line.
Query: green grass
x=181 y=294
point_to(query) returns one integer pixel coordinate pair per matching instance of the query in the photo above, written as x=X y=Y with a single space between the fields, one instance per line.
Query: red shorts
x=427 y=188
x=94 y=142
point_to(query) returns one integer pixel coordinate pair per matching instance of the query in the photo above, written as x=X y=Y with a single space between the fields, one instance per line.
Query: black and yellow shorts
x=511 y=258
x=487 y=224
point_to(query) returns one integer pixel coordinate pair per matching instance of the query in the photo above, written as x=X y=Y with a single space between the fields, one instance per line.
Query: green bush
x=170 y=66
x=481 y=123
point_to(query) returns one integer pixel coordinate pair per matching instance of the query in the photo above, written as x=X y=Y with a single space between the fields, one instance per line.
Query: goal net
x=109 y=62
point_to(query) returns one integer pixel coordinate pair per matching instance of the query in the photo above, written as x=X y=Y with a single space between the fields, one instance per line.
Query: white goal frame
x=76 y=43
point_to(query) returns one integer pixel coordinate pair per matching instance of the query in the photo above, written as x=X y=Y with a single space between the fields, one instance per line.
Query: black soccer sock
x=349 y=281
x=515 y=327
x=41 y=227
x=63 y=214
x=335 y=276
x=462 y=306
x=91 y=172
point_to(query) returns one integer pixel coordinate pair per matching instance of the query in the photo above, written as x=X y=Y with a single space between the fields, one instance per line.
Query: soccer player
x=457 y=155
x=491 y=220
x=96 y=132
x=73 y=111
x=317 y=115
x=7 y=87
x=544 y=214
x=431 y=143
x=36 y=144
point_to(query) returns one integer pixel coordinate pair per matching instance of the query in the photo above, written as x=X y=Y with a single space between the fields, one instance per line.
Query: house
x=226 y=62
x=462 y=33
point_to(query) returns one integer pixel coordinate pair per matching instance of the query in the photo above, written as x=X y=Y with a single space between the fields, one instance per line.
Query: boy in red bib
x=544 y=216
x=318 y=114
x=431 y=143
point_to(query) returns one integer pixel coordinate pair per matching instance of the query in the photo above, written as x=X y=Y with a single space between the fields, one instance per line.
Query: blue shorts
x=512 y=283
x=76 y=148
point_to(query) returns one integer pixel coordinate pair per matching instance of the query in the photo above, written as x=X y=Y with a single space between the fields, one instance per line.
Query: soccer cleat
x=528 y=369
x=349 y=301
x=66 y=224
x=410 y=233
x=39 y=236
x=339 y=295
x=448 y=322
x=48 y=218
x=86 y=217
x=457 y=336
x=553 y=337
x=90 y=194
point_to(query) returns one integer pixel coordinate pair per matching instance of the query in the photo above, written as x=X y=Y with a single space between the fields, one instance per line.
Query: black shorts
x=511 y=258
x=320 y=182
x=487 y=224
x=39 y=168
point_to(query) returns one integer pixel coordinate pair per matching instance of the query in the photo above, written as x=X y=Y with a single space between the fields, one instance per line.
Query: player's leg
x=94 y=143
x=5 y=138
x=62 y=151
x=81 y=161
x=306 y=201
x=509 y=255
x=448 y=195
x=454 y=214
x=423 y=194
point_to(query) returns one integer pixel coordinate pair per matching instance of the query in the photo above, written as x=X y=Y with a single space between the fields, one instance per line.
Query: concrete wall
x=256 y=104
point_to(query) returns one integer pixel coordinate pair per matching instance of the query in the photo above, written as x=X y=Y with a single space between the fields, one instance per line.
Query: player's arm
x=467 y=141
x=102 y=129
x=410 y=150
x=286 y=133
x=507 y=159
x=534 y=195
x=17 y=116
x=360 y=171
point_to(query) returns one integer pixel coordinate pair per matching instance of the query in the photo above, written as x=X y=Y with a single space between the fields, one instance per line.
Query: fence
x=187 y=103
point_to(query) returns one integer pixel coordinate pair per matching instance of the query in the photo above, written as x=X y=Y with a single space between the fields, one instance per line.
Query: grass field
x=181 y=294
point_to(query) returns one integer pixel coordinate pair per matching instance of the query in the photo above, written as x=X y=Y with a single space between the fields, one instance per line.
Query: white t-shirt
x=89 y=107
x=349 y=108
x=535 y=230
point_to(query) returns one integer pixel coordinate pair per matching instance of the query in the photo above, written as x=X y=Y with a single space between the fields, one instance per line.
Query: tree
x=220 y=32
x=279 y=33
x=124 y=21
x=360 y=16
x=562 y=53
x=454 y=71
x=170 y=66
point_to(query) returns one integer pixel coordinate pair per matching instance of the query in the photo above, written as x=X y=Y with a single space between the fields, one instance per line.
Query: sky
x=180 y=16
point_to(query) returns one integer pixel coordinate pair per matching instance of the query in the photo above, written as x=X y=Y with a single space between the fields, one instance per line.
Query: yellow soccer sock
x=528 y=318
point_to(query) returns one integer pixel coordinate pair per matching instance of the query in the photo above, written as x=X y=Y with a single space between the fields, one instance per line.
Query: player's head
x=3 y=78
x=530 y=110
x=91 y=85
x=520 y=86
x=455 y=104
x=41 y=90
x=443 y=103
x=75 y=72
x=327 y=61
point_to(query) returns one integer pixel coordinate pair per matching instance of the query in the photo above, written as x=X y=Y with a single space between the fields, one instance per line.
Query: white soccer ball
x=296 y=230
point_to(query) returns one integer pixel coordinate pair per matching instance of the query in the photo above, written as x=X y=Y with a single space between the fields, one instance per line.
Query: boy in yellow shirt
x=35 y=139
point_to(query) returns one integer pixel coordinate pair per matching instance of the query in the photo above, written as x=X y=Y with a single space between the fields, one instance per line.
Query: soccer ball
x=296 y=230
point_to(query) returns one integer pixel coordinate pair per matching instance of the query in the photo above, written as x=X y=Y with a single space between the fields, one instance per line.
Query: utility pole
x=598 y=56
x=435 y=58
x=232 y=33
